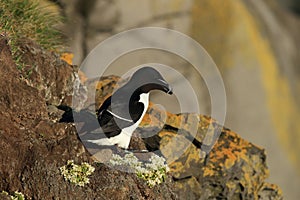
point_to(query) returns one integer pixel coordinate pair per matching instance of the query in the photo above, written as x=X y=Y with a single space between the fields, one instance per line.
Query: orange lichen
x=208 y=171
x=67 y=57
x=227 y=152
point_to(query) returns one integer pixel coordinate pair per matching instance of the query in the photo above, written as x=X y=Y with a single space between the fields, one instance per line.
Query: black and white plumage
x=122 y=112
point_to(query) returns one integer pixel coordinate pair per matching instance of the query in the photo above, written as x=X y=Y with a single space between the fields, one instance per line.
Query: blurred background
x=254 y=43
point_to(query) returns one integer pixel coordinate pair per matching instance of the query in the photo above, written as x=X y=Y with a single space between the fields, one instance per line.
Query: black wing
x=113 y=120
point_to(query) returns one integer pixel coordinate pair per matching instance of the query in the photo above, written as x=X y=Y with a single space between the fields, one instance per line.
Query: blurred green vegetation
x=20 y=19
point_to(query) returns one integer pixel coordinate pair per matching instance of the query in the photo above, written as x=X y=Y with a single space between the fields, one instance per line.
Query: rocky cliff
x=255 y=45
x=34 y=144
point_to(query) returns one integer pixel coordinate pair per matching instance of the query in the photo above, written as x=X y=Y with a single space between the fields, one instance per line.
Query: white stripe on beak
x=163 y=81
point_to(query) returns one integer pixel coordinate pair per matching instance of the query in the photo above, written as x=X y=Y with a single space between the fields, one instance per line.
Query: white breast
x=123 y=139
x=144 y=98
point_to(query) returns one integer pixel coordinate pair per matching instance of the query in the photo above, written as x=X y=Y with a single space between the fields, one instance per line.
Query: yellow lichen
x=208 y=171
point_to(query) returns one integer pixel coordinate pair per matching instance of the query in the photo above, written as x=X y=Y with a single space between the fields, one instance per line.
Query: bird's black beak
x=165 y=86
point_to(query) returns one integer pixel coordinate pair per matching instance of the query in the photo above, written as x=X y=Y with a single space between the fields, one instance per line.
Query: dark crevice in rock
x=171 y=128
x=181 y=178
x=152 y=143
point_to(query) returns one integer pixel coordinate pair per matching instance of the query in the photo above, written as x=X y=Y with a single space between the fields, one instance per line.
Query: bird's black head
x=148 y=78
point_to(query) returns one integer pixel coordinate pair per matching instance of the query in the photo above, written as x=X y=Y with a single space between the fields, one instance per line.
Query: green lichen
x=77 y=174
x=16 y=195
x=153 y=172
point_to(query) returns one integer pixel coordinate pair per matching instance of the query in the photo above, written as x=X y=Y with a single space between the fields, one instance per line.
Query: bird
x=122 y=112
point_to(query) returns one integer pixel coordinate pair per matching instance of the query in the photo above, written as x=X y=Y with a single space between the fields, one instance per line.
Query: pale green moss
x=16 y=196
x=77 y=174
x=4 y=192
x=153 y=172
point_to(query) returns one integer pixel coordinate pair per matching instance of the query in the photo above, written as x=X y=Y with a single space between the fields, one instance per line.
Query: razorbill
x=123 y=111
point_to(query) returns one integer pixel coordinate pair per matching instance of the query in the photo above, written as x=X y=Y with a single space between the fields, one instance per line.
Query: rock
x=270 y=191
x=269 y=36
x=233 y=169
x=54 y=82
x=33 y=147
x=54 y=113
x=104 y=155
x=4 y=196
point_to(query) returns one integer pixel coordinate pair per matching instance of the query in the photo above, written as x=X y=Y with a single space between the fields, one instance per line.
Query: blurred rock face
x=255 y=44
x=293 y=5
